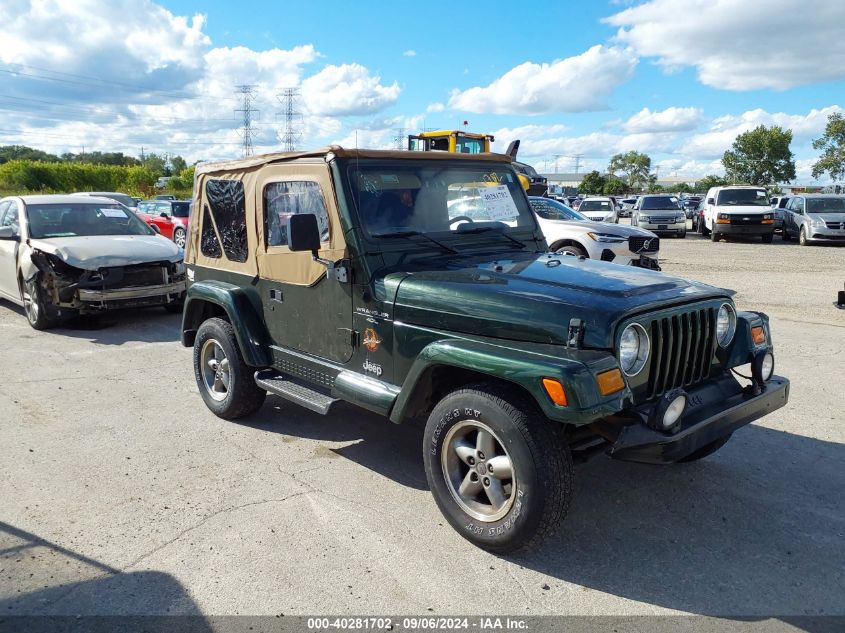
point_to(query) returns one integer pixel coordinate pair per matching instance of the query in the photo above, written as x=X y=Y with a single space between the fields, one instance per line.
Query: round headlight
x=633 y=349
x=725 y=324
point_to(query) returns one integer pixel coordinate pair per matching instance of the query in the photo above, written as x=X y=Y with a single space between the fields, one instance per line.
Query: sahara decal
x=371 y=340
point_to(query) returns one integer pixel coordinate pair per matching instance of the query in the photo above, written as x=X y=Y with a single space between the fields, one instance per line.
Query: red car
x=170 y=217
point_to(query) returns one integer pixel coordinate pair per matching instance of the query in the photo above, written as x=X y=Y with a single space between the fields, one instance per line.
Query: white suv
x=599 y=209
x=738 y=210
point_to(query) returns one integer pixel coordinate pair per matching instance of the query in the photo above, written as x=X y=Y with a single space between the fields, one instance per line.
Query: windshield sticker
x=498 y=203
x=114 y=213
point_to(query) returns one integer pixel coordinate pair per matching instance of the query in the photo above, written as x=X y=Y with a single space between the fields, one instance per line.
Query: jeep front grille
x=682 y=349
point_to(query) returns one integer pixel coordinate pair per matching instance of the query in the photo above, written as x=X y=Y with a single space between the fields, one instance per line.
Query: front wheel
x=683 y=235
x=802 y=237
x=500 y=472
x=714 y=237
x=35 y=306
x=225 y=381
x=571 y=249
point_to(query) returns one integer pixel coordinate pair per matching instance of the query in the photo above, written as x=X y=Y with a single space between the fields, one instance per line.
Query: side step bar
x=296 y=392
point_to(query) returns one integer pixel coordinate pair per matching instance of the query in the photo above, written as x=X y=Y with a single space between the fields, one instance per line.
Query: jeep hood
x=532 y=298
x=107 y=251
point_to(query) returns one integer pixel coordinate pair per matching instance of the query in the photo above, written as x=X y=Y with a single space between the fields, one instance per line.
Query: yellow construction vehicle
x=455 y=141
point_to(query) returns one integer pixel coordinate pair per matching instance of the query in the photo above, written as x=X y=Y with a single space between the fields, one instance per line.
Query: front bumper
x=89 y=295
x=668 y=228
x=834 y=236
x=744 y=229
x=715 y=409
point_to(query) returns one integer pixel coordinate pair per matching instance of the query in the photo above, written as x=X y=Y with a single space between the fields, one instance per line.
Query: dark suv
x=420 y=286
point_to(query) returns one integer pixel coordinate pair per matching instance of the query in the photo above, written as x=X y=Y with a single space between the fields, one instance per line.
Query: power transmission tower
x=400 y=139
x=291 y=134
x=247 y=95
x=577 y=158
x=557 y=157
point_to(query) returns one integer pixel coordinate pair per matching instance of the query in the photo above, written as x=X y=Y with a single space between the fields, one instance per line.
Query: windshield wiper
x=400 y=234
x=485 y=229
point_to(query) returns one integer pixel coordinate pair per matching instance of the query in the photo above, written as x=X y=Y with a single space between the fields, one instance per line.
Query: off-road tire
x=38 y=317
x=706 y=450
x=767 y=238
x=540 y=458
x=572 y=249
x=243 y=396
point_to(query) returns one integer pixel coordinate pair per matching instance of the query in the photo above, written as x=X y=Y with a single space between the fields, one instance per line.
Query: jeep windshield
x=84 y=219
x=743 y=198
x=825 y=205
x=440 y=198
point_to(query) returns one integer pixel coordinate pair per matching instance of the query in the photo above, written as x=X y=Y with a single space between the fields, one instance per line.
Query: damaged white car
x=61 y=256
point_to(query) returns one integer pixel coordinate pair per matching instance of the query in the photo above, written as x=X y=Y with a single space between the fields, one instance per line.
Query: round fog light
x=674 y=411
x=667 y=414
x=763 y=367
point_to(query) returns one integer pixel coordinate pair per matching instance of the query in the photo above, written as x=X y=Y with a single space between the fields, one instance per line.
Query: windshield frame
x=131 y=218
x=530 y=232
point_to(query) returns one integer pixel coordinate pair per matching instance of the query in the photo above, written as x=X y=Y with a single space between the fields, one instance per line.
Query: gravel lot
x=121 y=493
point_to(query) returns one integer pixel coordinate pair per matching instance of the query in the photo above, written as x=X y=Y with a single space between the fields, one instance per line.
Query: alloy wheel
x=215 y=369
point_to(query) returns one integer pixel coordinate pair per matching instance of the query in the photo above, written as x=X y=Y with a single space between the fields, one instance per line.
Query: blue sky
x=677 y=79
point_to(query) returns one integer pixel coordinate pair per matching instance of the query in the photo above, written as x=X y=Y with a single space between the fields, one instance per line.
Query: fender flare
x=250 y=331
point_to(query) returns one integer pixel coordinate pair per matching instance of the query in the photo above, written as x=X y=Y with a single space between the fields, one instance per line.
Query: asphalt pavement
x=120 y=493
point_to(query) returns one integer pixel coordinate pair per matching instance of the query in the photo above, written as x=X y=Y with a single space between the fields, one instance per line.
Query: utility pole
x=291 y=134
x=557 y=157
x=247 y=95
x=142 y=154
x=400 y=140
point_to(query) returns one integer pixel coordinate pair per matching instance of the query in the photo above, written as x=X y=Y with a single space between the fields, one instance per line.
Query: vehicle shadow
x=756 y=529
x=148 y=325
x=392 y=450
x=47 y=581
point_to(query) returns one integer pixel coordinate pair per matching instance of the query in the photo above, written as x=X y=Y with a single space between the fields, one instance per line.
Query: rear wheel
x=225 y=381
x=499 y=471
x=179 y=237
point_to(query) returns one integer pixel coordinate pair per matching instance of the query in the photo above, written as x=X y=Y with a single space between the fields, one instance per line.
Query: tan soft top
x=327 y=153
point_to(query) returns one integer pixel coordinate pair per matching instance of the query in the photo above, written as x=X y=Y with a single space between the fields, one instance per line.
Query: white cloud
x=668 y=120
x=347 y=89
x=409 y=53
x=740 y=44
x=723 y=130
x=574 y=84
x=435 y=107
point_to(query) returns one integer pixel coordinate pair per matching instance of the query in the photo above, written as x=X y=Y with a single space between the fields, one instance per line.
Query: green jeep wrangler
x=418 y=285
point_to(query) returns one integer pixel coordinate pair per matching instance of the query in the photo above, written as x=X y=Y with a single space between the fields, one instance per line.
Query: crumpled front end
x=90 y=291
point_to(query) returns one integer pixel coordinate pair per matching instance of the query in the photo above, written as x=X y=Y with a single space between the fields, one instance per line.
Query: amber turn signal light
x=610 y=382
x=758 y=335
x=555 y=391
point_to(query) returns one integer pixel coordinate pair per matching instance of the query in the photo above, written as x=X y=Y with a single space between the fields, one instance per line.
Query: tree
x=633 y=165
x=683 y=187
x=614 y=187
x=155 y=164
x=593 y=182
x=653 y=187
x=22 y=152
x=178 y=164
x=832 y=143
x=761 y=157
x=709 y=181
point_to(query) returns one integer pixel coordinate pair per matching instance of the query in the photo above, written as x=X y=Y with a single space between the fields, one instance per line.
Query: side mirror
x=303 y=233
x=8 y=233
x=711 y=201
x=164 y=215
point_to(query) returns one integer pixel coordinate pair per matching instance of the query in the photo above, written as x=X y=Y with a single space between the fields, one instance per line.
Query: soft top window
x=226 y=203
x=284 y=199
